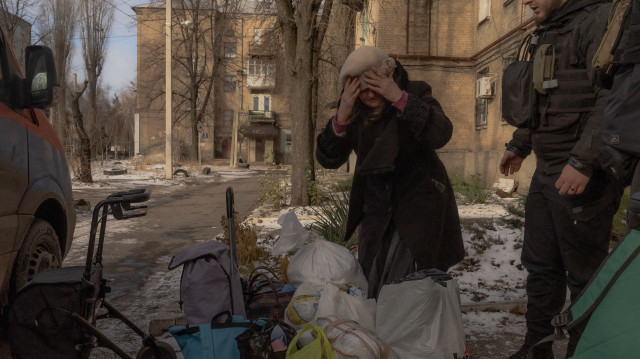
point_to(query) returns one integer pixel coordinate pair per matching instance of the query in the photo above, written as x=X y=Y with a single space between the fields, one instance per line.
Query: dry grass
x=249 y=253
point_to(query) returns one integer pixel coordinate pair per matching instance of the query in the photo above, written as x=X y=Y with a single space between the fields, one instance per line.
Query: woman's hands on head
x=383 y=85
x=348 y=100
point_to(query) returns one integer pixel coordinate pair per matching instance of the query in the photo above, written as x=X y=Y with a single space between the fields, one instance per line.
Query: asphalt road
x=177 y=218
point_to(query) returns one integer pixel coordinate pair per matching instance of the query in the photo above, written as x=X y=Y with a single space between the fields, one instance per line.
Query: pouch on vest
x=519 y=107
x=544 y=62
x=603 y=58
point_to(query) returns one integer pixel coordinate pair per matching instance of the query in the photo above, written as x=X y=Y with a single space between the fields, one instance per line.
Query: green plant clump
x=472 y=191
x=332 y=219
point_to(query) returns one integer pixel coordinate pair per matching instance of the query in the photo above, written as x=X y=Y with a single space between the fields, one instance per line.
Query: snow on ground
x=490 y=273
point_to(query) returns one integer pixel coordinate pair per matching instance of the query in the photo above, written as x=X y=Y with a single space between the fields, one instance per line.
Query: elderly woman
x=401 y=197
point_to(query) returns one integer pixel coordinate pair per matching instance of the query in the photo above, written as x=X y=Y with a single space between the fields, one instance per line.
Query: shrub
x=247 y=250
x=273 y=188
x=332 y=219
x=473 y=191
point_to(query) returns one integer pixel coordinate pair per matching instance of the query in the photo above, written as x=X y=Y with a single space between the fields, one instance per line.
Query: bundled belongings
x=214 y=340
x=318 y=348
x=350 y=340
x=345 y=300
x=610 y=304
x=265 y=296
x=322 y=261
x=265 y=339
x=207 y=286
x=210 y=282
x=292 y=234
x=432 y=301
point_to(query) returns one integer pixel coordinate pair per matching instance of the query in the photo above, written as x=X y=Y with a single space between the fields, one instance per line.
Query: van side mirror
x=41 y=77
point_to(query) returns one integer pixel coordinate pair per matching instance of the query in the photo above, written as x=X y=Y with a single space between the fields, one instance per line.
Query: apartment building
x=225 y=66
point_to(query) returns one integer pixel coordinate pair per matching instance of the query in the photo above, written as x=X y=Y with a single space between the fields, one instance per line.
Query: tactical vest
x=568 y=88
x=629 y=48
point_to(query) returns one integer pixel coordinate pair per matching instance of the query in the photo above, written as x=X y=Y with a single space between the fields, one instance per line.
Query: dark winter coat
x=399 y=178
x=571 y=114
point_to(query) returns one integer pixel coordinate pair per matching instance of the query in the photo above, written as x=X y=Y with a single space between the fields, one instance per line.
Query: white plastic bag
x=346 y=301
x=303 y=305
x=322 y=261
x=421 y=319
x=351 y=340
x=292 y=235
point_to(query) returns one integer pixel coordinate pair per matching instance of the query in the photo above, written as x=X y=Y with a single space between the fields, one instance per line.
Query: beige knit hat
x=362 y=59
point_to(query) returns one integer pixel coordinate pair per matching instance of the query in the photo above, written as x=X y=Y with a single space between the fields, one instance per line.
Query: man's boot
x=542 y=351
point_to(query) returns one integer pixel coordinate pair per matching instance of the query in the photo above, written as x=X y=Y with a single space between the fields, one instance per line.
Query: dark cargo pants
x=566 y=238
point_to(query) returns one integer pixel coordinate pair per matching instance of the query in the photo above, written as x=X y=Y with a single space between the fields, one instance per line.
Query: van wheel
x=40 y=250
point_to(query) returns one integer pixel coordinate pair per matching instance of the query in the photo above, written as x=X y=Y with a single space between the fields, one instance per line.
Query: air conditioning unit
x=484 y=87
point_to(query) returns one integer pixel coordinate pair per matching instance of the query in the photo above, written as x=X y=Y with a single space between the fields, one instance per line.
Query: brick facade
x=450 y=50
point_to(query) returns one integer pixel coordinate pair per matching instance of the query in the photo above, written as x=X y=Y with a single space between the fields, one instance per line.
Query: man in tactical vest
x=621 y=124
x=571 y=201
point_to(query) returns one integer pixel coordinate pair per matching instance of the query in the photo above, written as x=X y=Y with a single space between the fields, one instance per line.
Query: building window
x=484 y=10
x=227 y=119
x=229 y=84
x=256 y=36
x=230 y=49
x=259 y=66
x=256 y=103
x=482 y=104
x=266 y=103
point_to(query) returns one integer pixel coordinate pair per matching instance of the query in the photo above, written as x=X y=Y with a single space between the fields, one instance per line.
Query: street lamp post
x=168 y=105
x=236 y=120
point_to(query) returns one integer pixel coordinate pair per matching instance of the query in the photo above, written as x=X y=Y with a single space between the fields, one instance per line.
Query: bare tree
x=56 y=28
x=303 y=25
x=84 y=152
x=202 y=26
x=97 y=19
x=14 y=15
x=195 y=59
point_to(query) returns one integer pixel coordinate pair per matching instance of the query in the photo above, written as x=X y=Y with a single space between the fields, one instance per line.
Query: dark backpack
x=207 y=286
x=518 y=98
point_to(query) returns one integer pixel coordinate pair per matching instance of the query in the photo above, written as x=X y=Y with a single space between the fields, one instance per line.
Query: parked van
x=37 y=216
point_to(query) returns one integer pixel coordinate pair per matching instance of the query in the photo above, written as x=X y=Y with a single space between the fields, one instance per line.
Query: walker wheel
x=165 y=351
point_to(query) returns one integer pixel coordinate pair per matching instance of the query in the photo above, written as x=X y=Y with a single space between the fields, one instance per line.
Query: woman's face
x=370 y=98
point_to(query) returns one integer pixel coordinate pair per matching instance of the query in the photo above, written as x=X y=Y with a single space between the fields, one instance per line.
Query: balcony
x=262 y=117
x=261 y=81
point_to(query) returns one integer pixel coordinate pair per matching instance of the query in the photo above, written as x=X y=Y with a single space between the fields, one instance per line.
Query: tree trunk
x=84 y=154
x=302 y=126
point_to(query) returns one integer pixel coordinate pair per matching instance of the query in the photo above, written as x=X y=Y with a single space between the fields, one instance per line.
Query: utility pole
x=168 y=167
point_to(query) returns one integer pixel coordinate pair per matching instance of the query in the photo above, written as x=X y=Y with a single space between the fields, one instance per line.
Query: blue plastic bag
x=213 y=340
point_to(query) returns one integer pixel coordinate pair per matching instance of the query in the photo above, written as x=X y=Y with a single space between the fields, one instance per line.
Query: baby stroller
x=55 y=314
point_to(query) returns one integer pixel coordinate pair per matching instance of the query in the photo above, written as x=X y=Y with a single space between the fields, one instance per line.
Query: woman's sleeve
x=426 y=118
x=332 y=150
